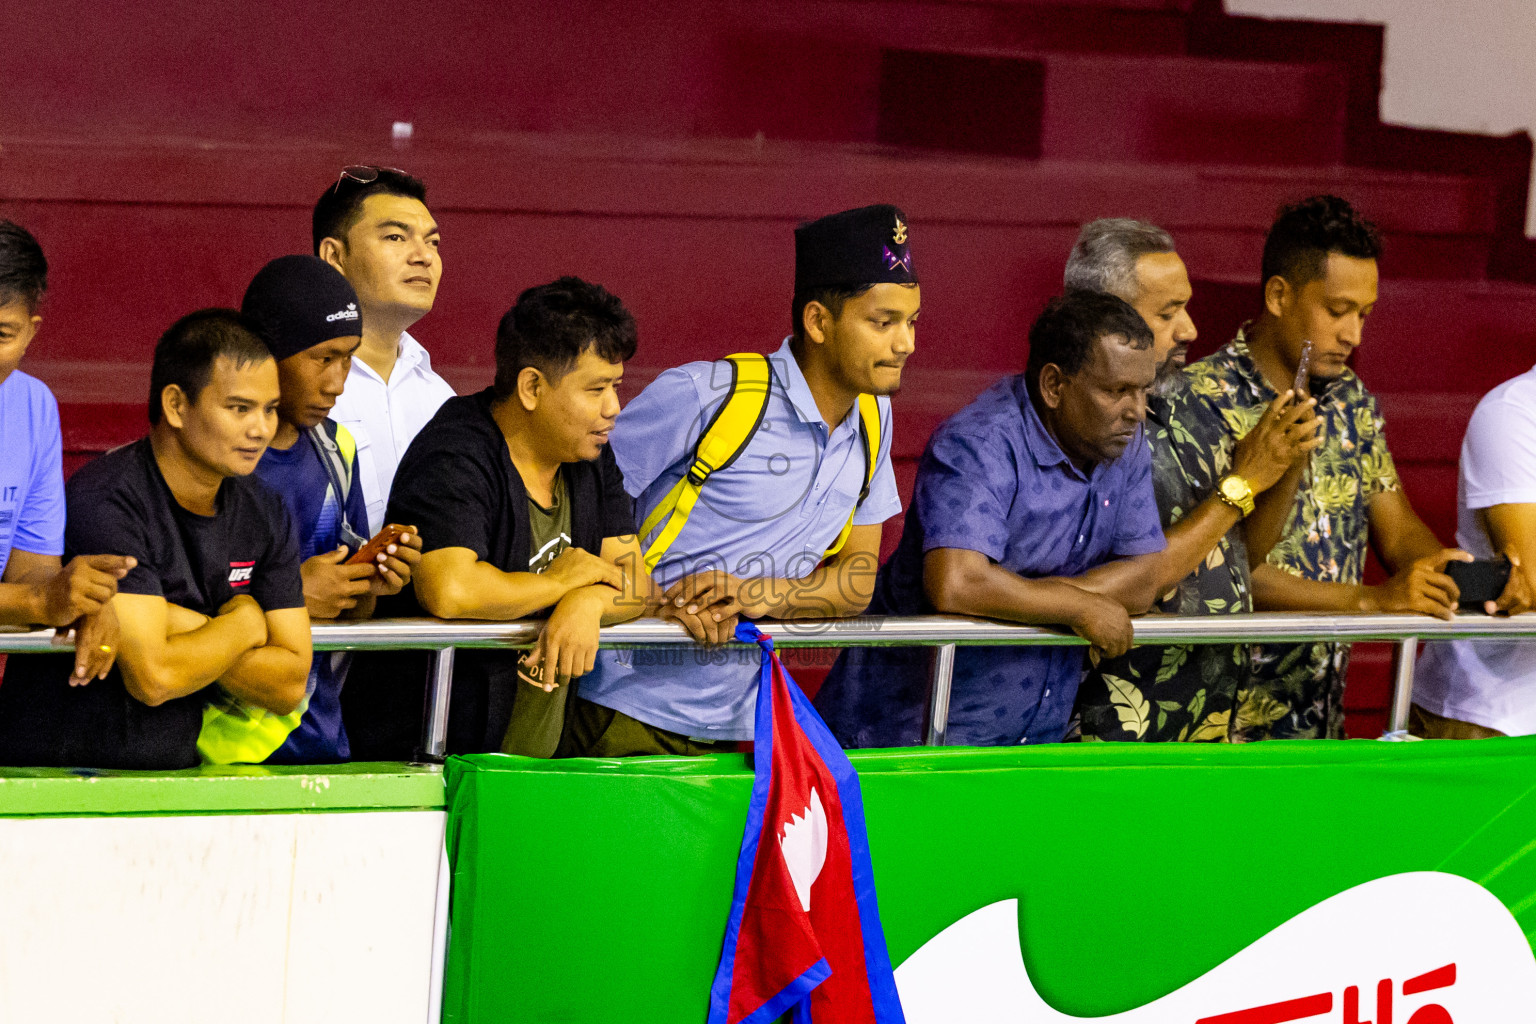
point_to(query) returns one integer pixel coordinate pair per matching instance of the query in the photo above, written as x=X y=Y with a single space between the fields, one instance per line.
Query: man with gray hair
x=1206 y=502
x=1137 y=262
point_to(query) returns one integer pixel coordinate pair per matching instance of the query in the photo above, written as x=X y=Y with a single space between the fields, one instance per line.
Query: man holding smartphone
x=307 y=314
x=1471 y=689
x=1320 y=285
x=1218 y=515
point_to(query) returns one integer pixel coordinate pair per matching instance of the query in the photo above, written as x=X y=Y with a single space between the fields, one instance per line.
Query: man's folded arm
x=959 y=581
x=453 y=583
x=639 y=595
x=160 y=663
x=1134 y=582
x=275 y=675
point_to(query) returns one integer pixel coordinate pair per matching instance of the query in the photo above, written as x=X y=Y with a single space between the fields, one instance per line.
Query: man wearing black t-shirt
x=215 y=593
x=522 y=512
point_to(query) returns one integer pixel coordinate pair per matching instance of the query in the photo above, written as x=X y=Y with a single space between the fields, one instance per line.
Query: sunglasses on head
x=363 y=174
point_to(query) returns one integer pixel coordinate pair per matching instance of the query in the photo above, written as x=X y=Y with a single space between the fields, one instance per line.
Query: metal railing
x=943 y=633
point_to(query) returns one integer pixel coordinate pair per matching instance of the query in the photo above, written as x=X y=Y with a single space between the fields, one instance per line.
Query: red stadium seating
x=666 y=151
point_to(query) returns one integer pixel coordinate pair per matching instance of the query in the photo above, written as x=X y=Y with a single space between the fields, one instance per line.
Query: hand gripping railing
x=944 y=633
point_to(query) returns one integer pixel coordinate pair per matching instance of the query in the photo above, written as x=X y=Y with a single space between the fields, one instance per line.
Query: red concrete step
x=694 y=236
x=576 y=66
x=1368 y=691
x=1030 y=102
x=1176 y=109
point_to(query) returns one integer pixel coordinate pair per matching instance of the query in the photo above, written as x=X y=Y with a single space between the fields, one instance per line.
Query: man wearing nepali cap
x=762 y=484
x=307 y=313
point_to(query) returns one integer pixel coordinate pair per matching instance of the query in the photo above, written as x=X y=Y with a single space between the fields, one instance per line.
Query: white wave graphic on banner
x=1417 y=948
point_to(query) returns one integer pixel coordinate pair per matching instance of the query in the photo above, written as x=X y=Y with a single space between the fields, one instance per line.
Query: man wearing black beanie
x=761 y=483
x=307 y=314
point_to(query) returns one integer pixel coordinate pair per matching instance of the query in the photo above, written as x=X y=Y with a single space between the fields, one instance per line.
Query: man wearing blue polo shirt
x=789 y=526
x=1033 y=504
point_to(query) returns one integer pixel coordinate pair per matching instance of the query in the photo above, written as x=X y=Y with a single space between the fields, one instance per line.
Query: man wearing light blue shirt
x=762 y=542
x=36 y=587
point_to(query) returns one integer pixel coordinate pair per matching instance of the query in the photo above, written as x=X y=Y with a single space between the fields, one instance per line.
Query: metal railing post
x=943 y=682
x=434 y=733
x=1402 y=688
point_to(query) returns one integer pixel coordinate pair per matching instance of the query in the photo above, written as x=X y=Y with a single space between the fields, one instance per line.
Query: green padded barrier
x=597 y=891
x=235 y=789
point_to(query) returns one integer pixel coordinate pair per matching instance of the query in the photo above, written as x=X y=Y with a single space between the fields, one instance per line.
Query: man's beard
x=1170 y=379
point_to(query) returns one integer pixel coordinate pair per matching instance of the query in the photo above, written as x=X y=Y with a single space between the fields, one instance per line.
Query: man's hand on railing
x=575 y=568
x=1103 y=623
x=1421 y=587
x=567 y=645
x=96 y=639
x=1516 y=599
x=706 y=604
x=81 y=587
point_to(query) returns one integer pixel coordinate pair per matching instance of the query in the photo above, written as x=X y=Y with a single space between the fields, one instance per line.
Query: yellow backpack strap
x=869 y=434
x=724 y=438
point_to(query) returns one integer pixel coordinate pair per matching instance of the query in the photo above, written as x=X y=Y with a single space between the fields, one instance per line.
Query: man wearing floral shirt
x=1217 y=513
x=1320 y=284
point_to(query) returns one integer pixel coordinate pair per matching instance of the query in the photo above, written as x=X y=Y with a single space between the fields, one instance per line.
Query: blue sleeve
x=884 y=501
x=657 y=429
x=40 y=520
x=1138 y=530
x=965 y=487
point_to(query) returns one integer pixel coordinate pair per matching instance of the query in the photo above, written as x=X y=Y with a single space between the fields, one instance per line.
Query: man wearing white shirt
x=1469 y=689
x=373 y=225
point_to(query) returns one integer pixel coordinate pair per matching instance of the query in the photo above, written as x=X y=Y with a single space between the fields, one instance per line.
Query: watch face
x=1233 y=488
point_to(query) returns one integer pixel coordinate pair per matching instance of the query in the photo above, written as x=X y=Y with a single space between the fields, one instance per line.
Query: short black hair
x=1071 y=324
x=185 y=354
x=1305 y=233
x=553 y=324
x=23 y=269
x=340 y=206
x=833 y=298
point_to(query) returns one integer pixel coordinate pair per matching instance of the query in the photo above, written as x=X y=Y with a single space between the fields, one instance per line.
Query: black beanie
x=299 y=302
x=853 y=248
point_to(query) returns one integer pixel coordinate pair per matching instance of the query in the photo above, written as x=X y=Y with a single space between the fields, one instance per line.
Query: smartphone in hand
x=1303 y=385
x=1480 y=581
x=370 y=552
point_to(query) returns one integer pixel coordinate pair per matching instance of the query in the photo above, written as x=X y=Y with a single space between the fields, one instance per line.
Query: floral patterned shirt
x=1297 y=690
x=1179 y=693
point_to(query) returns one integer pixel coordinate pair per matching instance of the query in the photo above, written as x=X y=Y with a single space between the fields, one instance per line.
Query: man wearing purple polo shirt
x=1033 y=504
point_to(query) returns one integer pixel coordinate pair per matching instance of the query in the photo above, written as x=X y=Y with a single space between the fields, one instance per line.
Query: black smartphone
x=1480 y=581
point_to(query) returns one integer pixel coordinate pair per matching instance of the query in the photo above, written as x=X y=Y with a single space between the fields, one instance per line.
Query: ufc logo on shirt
x=240 y=573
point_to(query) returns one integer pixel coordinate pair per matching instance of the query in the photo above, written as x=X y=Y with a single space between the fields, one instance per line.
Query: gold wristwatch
x=1237 y=492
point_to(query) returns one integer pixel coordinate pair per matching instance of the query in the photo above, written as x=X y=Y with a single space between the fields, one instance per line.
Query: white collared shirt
x=384 y=418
